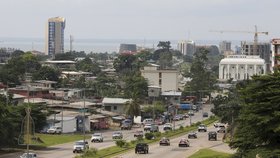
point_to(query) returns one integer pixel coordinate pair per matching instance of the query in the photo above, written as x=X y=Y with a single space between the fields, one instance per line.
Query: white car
x=54 y=130
x=30 y=155
x=97 y=137
x=117 y=135
x=167 y=126
x=148 y=121
x=201 y=128
x=80 y=146
x=147 y=127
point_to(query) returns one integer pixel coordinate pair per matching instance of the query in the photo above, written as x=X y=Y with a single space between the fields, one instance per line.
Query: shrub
x=120 y=143
x=181 y=127
x=157 y=134
x=149 y=136
x=90 y=152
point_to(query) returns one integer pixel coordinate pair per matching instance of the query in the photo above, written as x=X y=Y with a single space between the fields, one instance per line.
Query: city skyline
x=146 y=19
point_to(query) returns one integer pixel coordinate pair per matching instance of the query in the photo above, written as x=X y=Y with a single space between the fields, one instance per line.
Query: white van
x=148 y=121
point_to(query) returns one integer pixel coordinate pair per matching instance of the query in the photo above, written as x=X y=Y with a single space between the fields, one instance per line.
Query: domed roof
x=242 y=59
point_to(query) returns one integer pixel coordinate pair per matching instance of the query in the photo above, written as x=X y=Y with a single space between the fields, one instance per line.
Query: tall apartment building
x=275 y=50
x=225 y=46
x=55 y=36
x=263 y=50
x=186 y=47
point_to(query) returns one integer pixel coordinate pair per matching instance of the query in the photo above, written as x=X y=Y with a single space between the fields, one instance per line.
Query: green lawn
x=49 y=139
x=207 y=153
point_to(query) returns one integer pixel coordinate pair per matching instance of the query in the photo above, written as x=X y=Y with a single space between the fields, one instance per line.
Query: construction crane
x=256 y=33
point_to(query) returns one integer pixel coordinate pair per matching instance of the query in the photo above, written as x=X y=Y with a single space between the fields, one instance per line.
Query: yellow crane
x=256 y=33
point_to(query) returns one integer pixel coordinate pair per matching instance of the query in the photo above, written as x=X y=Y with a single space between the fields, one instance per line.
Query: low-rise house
x=115 y=104
x=98 y=121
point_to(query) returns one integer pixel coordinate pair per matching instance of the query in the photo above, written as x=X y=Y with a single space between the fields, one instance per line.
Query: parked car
x=212 y=135
x=80 y=146
x=167 y=126
x=164 y=141
x=54 y=130
x=29 y=155
x=147 y=127
x=159 y=122
x=117 y=135
x=192 y=135
x=205 y=114
x=142 y=147
x=202 y=128
x=97 y=137
x=186 y=115
x=139 y=133
x=184 y=143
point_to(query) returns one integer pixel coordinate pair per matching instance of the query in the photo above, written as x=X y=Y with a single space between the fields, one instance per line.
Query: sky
x=142 y=19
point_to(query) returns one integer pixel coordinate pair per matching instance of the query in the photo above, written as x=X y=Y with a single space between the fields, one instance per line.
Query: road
x=65 y=150
x=156 y=151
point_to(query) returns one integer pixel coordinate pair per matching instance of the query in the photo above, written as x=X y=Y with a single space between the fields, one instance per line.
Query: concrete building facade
x=241 y=67
x=225 y=46
x=55 y=36
x=275 y=51
x=166 y=79
x=186 y=47
x=263 y=50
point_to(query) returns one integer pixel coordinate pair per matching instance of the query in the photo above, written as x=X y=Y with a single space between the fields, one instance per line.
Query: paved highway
x=65 y=150
x=157 y=151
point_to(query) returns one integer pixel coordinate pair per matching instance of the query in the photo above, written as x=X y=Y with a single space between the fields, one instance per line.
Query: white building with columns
x=241 y=67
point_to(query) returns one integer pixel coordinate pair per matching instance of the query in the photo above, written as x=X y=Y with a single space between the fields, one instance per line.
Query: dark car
x=205 y=114
x=142 y=147
x=192 y=135
x=164 y=141
x=212 y=135
x=184 y=143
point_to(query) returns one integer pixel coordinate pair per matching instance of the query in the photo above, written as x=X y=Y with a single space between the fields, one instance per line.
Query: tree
x=136 y=86
x=165 y=45
x=258 y=128
x=126 y=63
x=88 y=65
x=46 y=73
x=201 y=77
x=132 y=108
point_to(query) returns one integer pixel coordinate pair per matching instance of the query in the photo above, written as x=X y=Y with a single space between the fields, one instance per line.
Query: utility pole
x=84 y=125
x=27 y=128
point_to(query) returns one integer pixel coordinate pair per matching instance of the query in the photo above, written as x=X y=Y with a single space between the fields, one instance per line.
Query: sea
x=93 y=45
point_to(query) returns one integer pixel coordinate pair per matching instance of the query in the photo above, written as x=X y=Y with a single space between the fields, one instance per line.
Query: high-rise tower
x=55 y=36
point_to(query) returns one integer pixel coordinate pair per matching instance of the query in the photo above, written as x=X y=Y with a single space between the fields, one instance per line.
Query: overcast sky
x=142 y=19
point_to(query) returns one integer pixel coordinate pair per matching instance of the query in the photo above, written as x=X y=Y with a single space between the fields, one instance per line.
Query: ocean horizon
x=94 y=45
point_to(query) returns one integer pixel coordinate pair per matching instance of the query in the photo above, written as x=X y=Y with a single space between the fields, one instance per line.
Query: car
x=126 y=124
x=184 y=143
x=139 y=133
x=142 y=147
x=29 y=155
x=151 y=127
x=159 y=122
x=202 y=128
x=80 y=146
x=148 y=121
x=212 y=135
x=217 y=124
x=186 y=116
x=221 y=128
x=164 y=141
x=147 y=127
x=97 y=137
x=191 y=113
x=54 y=130
x=205 y=114
x=192 y=135
x=117 y=135
x=176 y=118
x=167 y=127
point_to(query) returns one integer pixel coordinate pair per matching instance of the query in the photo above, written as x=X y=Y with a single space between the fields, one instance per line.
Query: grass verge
x=208 y=153
x=115 y=150
x=45 y=140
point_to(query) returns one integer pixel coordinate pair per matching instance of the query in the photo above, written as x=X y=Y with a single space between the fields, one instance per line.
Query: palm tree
x=132 y=108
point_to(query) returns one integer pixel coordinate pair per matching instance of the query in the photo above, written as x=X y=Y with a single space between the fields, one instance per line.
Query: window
x=159 y=75
x=115 y=107
x=159 y=82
